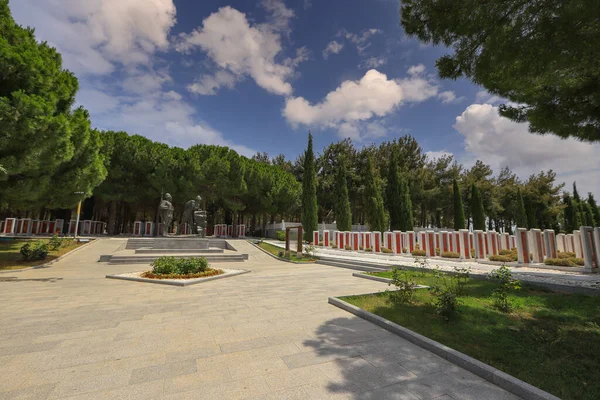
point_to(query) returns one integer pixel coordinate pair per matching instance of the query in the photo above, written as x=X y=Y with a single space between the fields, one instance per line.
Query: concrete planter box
x=178 y=282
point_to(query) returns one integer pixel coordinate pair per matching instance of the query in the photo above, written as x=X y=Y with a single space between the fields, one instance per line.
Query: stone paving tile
x=269 y=335
x=38 y=392
x=162 y=371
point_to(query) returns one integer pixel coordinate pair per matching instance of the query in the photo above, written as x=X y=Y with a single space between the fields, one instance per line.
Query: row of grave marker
x=28 y=226
x=533 y=246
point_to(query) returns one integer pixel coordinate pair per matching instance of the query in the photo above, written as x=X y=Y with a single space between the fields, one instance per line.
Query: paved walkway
x=67 y=332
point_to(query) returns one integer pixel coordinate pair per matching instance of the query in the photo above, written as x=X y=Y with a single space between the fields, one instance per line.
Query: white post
x=587 y=244
x=536 y=246
x=522 y=239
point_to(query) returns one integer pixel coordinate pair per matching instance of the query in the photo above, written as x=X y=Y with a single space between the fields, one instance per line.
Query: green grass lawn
x=550 y=340
x=276 y=250
x=10 y=257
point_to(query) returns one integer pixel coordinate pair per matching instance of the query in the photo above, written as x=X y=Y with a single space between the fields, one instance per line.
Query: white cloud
x=353 y=103
x=416 y=69
x=242 y=49
x=361 y=41
x=333 y=47
x=501 y=142
x=434 y=155
x=449 y=97
x=373 y=62
x=484 y=97
x=96 y=35
x=280 y=15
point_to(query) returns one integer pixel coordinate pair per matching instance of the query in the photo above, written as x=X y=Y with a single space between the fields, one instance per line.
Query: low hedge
x=368 y=249
x=503 y=258
x=280 y=235
x=348 y=247
x=179 y=266
x=34 y=251
x=207 y=273
x=450 y=254
x=564 y=262
x=418 y=253
x=386 y=250
x=565 y=254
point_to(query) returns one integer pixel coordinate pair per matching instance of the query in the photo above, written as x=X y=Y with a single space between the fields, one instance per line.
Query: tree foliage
x=459 y=212
x=343 y=214
x=477 y=212
x=47 y=149
x=309 y=192
x=540 y=55
x=375 y=211
x=394 y=194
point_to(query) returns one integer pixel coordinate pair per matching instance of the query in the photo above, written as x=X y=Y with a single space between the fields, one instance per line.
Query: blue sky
x=256 y=76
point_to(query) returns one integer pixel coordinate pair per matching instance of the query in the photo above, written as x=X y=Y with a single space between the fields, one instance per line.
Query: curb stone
x=49 y=263
x=171 y=283
x=281 y=259
x=485 y=371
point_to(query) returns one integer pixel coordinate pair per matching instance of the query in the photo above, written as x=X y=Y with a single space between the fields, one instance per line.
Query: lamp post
x=78 y=212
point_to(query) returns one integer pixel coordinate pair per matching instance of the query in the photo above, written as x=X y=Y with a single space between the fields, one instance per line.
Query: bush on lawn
x=418 y=253
x=280 y=235
x=450 y=254
x=565 y=254
x=503 y=258
x=34 y=251
x=386 y=250
x=564 y=262
x=281 y=253
x=184 y=266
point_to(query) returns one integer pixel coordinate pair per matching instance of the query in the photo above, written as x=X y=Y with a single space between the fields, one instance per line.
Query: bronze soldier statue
x=165 y=215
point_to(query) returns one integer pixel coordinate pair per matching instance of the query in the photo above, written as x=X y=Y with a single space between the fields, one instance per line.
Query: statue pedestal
x=180 y=243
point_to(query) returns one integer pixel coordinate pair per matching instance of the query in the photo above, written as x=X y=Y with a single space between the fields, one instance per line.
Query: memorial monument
x=165 y=215
x=194 y=216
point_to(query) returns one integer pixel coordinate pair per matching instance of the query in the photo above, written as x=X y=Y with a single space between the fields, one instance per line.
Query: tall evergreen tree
x=531 y=221
x=343 y=214
x=394 y=195
x=571 y=214
x=407 y=214
x=520 y=213
x=459 y=211
x=576 y=196
x=309 y=192
x=595 y=210
x=374 y=210
x=477 y=212
x=589 y=214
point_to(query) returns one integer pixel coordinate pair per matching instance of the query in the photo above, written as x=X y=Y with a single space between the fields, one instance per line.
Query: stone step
x=147 y=259
x=187 y=251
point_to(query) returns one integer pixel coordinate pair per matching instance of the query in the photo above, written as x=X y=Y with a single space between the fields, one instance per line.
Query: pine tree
x=343 y=214
x=520 y=214
x=531 y=221
x=595 y=210
x=571 y=214
x=309 y=193
x=394 y=194
x=374 y=209
x=477 y=212
x=407 y=214
x=459 y=211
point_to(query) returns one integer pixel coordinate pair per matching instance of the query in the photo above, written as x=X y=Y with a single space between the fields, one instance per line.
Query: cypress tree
x=589 y=214
x=374 y=209
x=343 y=214
x=459 y=211
x=570 y=214
x=477 y=212
x=521 y=214
x=595 y=210
x=407 y=214
x=394 y=194
x=309 y=192
x=576 y=196
x=531 y=222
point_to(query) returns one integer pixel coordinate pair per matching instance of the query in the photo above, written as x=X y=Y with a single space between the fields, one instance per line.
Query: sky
x=258 y=75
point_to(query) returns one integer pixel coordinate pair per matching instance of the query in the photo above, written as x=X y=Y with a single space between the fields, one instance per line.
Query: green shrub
x=281 y=253
x=405 y=285
x=368 y=249
x=472 y=253
x=54 y=243
x=334 y=246
x=418 y=253
x=506 y=252
x=503 y=258
x=348 y=247
x=507 y=284
x=321 y=244
x=438 y=251
x=564 y=262
x=34 y=251
x=446 y=290
x=450 y=254
x=361 y=248
x=565 y=254
x=404 y=250
x=184 y=266
x=386 y=250
x=280 y=235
